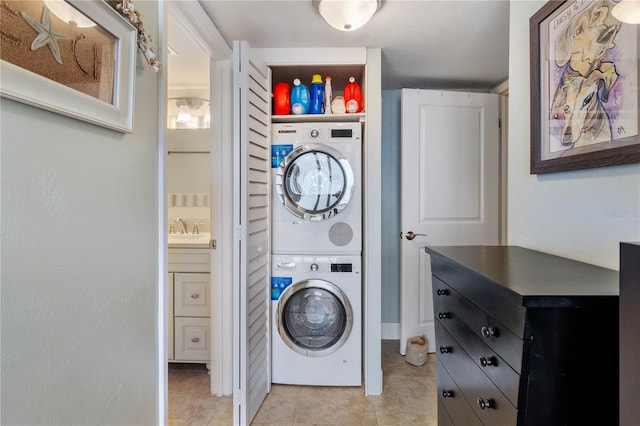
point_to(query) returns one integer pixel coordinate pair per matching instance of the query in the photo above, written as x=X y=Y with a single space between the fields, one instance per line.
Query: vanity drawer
x=486 y=400
x=188 y=260
x=456 y=408
x=450 y=305
x=191 y=295
x=192 y=339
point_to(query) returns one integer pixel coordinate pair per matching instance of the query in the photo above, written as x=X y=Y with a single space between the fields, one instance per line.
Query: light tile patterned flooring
x=409 y=398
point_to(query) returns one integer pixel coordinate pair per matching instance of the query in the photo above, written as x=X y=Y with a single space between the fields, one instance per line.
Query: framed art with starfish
x=75 y=58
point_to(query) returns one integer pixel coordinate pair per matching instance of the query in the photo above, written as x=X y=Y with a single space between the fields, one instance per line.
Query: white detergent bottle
x=327 y=95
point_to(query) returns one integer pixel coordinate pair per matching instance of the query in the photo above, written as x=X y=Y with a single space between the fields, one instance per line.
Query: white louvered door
x=252 y=156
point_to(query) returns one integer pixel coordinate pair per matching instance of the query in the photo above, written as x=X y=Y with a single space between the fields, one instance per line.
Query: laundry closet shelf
x=318 y=118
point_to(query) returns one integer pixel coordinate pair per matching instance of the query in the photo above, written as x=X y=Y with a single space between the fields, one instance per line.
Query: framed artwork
x=584 y=87
x=72 y=57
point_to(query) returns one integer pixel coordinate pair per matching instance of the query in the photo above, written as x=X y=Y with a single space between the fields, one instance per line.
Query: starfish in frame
x=46 y=35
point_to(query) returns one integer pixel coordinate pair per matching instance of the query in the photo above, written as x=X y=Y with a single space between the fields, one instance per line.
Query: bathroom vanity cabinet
x=524 y=338
x=189 y=305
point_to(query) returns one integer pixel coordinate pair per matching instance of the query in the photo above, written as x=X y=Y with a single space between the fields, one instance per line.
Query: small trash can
x=416 y=350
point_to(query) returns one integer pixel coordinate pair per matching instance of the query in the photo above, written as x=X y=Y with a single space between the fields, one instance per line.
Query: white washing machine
x=317 y=324
x=317 y=188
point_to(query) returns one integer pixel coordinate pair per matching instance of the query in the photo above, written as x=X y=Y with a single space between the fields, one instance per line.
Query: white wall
x=188 y=187
x=581 y=215
x=80 y=264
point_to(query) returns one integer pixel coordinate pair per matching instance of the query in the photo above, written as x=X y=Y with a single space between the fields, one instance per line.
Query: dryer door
x=314 y=317
x=314 y=182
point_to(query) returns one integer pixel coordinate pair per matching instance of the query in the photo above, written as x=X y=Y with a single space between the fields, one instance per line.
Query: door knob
x=411 y=235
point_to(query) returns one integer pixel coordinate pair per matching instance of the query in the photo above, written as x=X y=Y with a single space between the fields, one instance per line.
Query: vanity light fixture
x=627 y=11
x=185 y=106
x=347 y=15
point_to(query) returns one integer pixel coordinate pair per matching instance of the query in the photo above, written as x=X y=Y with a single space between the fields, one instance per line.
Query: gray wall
x=79 y=257
x=391 y=206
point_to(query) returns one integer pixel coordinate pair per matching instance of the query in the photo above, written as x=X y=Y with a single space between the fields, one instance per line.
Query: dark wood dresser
x=524 y=338
x=629 y=333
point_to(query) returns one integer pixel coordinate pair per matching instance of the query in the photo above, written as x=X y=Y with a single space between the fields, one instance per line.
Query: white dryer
x=317 y=188
x=317 y=325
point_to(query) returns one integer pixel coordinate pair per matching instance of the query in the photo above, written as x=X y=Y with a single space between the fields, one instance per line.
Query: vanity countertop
x=200 y=240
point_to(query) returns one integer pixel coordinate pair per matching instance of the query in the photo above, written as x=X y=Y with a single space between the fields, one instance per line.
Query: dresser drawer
x=491 y=364
x=457 y=409
x=487 y=401
x=449 y=305
x=191 y=295
x=443 y=416
x=192 y=339
x=504 y=304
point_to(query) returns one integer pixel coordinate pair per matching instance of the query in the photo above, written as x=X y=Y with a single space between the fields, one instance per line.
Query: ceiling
x=425 y=43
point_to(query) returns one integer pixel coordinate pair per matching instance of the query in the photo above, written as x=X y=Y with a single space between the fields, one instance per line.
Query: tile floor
x=409 y=398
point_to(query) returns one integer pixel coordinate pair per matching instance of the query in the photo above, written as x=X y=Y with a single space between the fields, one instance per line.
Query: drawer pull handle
x=442 y=292
x=445 y=349
x=489 y=331
x=195 y=339
x=444 y=315
x=489 y=360
x=447 y=394
x=195 y=295
x=486 y=404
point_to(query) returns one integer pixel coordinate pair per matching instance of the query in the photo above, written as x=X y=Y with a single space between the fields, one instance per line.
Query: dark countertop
x=529 y=273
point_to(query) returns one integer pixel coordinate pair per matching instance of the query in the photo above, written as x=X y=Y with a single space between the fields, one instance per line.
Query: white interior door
x=450 y=189
x=251 y=276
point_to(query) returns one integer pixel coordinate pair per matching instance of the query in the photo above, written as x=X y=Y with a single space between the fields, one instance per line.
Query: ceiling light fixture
x=347 y=15
x=627 y=11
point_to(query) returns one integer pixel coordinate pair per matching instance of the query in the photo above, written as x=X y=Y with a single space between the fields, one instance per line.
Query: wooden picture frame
x=584 y=87
x=56 y=62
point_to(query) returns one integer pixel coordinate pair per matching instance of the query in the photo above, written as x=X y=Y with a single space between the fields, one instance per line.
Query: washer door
x=314 y=182
x=314 y=317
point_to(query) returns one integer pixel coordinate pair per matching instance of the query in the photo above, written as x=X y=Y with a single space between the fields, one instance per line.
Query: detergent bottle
x=327 y=95
x=299 y=98
x=353 y=96
x=317 y=95
x=281 y=99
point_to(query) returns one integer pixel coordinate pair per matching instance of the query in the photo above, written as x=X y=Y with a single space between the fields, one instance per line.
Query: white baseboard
x=390 y=331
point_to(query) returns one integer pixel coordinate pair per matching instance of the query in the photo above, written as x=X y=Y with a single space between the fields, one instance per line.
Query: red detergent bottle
x=353 y=96
x=281 y=99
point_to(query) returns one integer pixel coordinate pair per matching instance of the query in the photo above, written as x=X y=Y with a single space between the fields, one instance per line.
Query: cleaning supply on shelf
x=299 y=98
x=327 y=95
x=282 y=99
x=337 y=105
x=353 y=96
x=317 y=95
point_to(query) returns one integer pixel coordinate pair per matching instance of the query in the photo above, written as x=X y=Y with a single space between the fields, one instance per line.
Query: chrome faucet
x=184 y=225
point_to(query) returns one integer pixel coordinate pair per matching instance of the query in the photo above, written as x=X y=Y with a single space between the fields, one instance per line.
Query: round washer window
x=315 y=183
x=314 y=317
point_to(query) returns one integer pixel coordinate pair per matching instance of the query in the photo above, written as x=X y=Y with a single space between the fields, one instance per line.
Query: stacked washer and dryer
x=316 y=284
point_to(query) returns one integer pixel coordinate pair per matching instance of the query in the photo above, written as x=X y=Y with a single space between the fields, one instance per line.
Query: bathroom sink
x=185 y=236
x=189 y=239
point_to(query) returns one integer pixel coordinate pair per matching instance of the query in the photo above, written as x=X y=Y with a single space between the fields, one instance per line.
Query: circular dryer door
x=314 y=182
x=314 y=317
